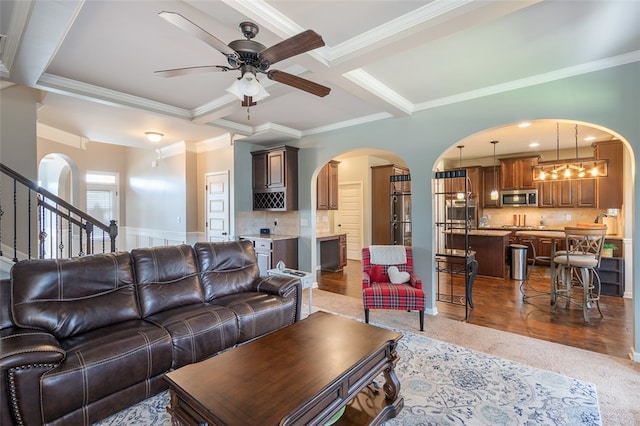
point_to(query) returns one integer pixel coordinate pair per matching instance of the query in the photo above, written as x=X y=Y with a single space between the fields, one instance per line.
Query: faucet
x=599 y=216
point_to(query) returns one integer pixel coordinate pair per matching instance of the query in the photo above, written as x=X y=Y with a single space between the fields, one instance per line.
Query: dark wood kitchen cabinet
x=275 y=179
x=490 y=181
x=517 y=173
x=327 y=186
x=567 y=193
x=609 y=189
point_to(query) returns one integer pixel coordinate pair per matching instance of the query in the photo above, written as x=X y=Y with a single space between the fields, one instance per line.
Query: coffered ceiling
x=383 y=59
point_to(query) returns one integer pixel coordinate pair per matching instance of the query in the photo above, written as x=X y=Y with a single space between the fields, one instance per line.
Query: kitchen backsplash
x=552 y=218
x=250 y=222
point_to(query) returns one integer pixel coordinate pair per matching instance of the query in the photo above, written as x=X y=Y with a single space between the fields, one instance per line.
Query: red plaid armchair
x=379 y=293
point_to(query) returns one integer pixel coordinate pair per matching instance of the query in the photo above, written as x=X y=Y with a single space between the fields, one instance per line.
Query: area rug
x=445 y=384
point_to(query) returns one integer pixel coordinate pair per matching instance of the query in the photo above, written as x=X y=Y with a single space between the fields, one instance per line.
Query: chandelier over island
x=570 y=169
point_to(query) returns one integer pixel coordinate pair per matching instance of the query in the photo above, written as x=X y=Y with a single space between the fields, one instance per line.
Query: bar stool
x=576 y=267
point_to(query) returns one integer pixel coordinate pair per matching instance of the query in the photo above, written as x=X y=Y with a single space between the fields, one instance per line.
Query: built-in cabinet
x=381 y=215
x=517 y=173
x=275 y=179
x=327 y=187
x=609 y=189
x=270 y=251
x=567 y=193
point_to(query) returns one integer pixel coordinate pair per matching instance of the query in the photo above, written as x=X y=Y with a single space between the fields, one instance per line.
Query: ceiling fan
x=251 y=58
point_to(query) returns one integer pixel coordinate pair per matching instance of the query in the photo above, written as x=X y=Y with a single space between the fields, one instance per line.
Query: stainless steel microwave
x=519 y=198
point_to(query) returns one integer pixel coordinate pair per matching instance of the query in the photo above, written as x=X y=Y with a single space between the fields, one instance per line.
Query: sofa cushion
x=226 y=268
x=167 y=277
x=72 y=296
x=259 y=313
x=102 y=362
x=198 y=331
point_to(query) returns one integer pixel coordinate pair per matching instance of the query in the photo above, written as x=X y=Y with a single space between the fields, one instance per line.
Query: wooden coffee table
x=302 y=374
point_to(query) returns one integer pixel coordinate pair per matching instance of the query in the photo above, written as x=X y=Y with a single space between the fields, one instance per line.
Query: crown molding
x=534 y=80
x=65 y=86
x=348 y=123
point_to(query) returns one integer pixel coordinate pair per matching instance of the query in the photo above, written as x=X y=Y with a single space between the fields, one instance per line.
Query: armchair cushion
x=378 y=275
x=397 y=277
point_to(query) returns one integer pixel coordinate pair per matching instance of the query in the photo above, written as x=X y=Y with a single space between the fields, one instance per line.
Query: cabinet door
x=275 y=169
x=322 y=189
x=508 y=174
x=586 y=193
x=545 y=194
x=259 y=163
x=264 y=261
x=342 y=253
x=565 y=193
x=525 y=167
x=332 y=190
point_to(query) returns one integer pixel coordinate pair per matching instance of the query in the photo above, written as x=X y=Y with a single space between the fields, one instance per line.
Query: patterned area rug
x=444 y=384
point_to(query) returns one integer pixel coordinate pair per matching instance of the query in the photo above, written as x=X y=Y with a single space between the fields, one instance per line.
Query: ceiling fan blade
x=303 y=42
x=298 y=83
x=176 y=72
x=194 y=29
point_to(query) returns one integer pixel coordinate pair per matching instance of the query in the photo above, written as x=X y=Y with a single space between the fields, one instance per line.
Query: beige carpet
x=617 y=380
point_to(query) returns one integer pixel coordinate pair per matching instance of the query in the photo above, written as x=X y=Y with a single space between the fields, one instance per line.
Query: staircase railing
x=62 y=229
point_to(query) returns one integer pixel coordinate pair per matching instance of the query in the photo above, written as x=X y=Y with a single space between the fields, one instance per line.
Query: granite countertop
x=272 y=237
x=320 y=236
x=481 y=232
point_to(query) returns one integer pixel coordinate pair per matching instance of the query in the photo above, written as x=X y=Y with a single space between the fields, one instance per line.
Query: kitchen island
x=333 y=251
x=490 y=247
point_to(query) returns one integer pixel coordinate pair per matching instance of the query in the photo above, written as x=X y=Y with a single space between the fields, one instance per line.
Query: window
x=102 y=197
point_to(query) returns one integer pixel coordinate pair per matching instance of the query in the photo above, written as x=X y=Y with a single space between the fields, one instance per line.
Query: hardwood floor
x=499 y=305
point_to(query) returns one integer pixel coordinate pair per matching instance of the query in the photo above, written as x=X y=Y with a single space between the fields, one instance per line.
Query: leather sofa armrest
x=20 y=347
x=279 y=285
x=25 y=355
x=282 y=286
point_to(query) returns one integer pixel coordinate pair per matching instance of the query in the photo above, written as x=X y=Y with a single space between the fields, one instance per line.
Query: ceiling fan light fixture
x=248 y=85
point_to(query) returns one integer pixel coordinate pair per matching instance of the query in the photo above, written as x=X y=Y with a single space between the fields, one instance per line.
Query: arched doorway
x=556 y=217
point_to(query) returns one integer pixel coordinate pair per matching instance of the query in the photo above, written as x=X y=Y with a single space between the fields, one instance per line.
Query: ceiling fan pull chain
x=248 y=113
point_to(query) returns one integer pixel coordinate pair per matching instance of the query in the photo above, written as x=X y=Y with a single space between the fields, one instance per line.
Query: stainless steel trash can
x=518 y=262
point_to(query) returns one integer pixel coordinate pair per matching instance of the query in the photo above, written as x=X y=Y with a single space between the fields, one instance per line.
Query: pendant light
x=460 y=195
x=494 y=191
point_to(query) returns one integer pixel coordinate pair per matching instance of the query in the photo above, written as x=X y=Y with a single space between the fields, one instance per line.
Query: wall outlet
x=567 y=217
x=275 y=222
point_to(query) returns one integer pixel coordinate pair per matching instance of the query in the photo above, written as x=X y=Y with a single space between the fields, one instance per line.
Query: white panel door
x=350 y=217
x=217 y=206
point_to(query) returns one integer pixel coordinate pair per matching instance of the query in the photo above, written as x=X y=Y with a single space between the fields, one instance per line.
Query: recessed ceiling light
x=534 y=144
x=524 y=124
x=590 y=138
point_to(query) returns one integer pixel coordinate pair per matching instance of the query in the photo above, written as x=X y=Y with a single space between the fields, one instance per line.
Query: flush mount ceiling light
x=580 y=168
x=154 y=136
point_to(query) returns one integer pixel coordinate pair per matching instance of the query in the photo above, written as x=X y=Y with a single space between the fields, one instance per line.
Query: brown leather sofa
x=84 y=338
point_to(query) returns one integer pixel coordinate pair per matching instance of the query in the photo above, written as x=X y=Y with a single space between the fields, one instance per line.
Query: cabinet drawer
x=262 y=244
